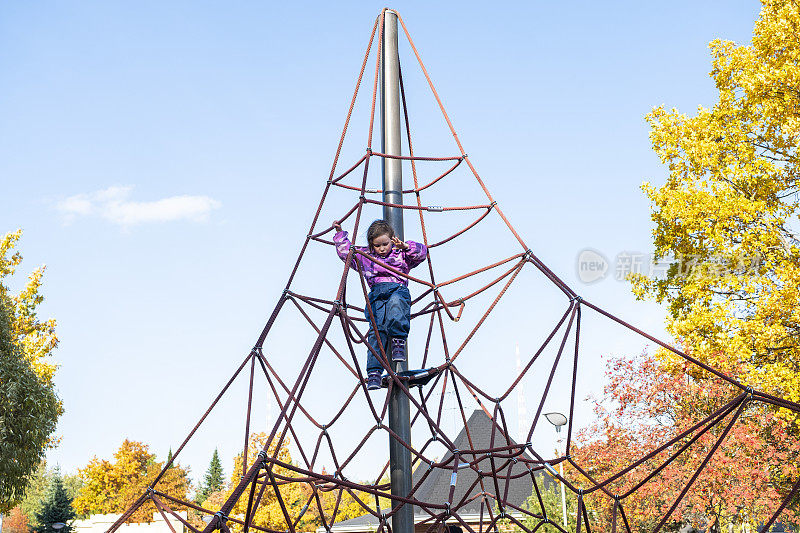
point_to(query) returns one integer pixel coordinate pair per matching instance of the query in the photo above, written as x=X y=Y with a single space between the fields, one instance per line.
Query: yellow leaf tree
x=113 y=486
x=300 y=507
x=37 y=338
x=269 y=513
x=727 y=217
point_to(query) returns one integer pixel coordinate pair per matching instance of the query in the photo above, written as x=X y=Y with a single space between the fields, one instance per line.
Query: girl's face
x=382 y=245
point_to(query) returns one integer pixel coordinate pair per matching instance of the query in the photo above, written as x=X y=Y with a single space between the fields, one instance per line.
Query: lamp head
x=557 y=419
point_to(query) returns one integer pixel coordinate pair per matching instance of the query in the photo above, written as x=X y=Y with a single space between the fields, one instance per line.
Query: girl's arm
x=415 y=254
x=343 y=244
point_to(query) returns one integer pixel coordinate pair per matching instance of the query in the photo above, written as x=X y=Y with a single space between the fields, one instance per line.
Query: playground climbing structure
x=448 y=313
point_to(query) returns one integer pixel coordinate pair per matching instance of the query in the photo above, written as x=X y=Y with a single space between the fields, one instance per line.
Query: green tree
x=29 y=407
x=29 y=410
x=39 y=484
x=214 y=479
x=56 y=509
x=551 y=497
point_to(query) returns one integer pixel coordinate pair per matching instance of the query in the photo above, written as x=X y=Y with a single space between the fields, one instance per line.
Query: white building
x=100 y=523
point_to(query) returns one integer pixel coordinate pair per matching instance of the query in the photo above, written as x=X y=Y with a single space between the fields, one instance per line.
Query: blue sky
x=165 y=161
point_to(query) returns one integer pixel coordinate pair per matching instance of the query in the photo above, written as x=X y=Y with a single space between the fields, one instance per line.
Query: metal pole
x=563 y=497
x=399 y=408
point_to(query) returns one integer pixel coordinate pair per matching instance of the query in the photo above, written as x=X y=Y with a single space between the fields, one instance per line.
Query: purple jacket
x=400 y=260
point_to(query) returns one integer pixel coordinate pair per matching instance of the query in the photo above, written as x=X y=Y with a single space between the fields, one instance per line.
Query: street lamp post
x=558 y=420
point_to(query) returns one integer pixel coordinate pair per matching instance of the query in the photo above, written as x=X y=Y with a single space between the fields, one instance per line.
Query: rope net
x=470 y=475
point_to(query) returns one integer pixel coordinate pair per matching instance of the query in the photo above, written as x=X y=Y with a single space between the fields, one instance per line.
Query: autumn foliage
x=647 y=404
x=726 y=218
x=113 y=486
x=306 y=503
x=16 y=522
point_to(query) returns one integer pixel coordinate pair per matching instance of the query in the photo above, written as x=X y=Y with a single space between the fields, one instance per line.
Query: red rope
x=492 y=466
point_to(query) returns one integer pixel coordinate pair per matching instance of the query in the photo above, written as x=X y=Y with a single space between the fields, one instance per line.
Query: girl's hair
x=378 y=228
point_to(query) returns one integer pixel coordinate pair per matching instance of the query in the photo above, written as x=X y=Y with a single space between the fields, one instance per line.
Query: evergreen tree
x=214 y=479
x=56 y=509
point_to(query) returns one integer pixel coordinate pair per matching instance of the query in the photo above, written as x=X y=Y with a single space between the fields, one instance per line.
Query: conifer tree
x=214 y=479
x=56 y=510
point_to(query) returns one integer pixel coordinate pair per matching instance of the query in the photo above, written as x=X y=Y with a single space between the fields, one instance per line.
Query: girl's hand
x=400 y=244
x=337 y=226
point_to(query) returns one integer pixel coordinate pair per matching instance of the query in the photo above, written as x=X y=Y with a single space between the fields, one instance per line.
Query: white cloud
x=114 y=204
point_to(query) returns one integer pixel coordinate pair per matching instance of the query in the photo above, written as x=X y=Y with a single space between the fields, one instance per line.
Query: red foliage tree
x=15 y=522
x=647 y=403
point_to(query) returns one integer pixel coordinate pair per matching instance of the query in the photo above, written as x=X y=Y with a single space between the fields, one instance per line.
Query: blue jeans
x=391 y=307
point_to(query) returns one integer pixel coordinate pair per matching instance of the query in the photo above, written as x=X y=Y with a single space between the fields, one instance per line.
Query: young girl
x=388 y=296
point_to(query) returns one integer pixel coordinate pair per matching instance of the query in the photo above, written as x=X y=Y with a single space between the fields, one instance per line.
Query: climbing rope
x=494 y=467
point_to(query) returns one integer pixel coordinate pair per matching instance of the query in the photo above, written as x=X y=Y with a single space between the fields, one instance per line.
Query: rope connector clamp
x=262 y=456
x=435 y=208
x=577 y=298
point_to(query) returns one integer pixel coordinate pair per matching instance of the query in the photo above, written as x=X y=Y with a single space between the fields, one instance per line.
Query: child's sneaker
x=374 y=380
x=398 y=350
